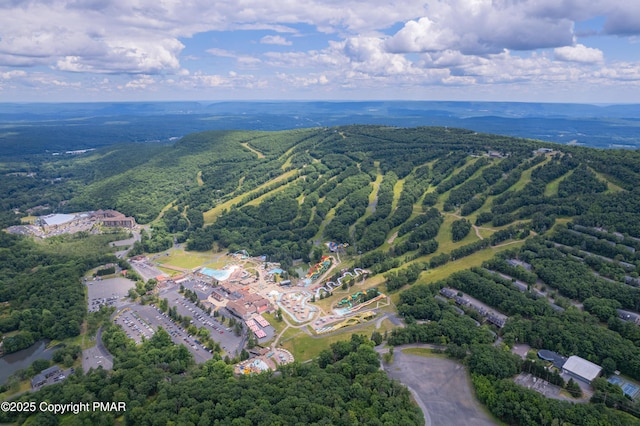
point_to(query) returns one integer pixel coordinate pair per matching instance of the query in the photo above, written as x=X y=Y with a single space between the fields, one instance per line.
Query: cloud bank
x=341 y=47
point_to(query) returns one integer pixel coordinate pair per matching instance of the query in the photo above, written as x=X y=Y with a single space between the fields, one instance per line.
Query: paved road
x=97 y=355
x=127 y=244
x=441 y=387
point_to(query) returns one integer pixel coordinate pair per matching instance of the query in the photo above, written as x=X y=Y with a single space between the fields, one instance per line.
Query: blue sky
x=495 y=50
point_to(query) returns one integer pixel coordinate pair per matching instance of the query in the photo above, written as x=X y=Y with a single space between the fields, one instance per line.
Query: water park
x=352 y=320
x=357 y=301
x=297 y=306
x=318 y=269
x=219 y=274
x=346 y=276
x=346 y=311
x=268 y=360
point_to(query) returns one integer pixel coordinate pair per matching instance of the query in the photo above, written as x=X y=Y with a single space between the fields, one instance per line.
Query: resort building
x=581 y=369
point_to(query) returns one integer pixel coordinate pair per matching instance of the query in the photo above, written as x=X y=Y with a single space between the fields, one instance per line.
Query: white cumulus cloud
x=481 y=27
x=350 y=43
x=578 y=53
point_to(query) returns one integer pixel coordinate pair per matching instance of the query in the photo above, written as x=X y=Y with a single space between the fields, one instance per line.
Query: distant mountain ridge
x=34 y=128
x=458 y=108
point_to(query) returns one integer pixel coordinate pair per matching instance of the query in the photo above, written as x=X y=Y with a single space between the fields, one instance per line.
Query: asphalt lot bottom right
x=443 y=386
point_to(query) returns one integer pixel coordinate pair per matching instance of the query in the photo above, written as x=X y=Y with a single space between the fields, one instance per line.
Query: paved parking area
x=107 y=292
x=202 y=289
x=142 y=321
x=221 y=333
x=541 y=386
x=136 y=327
x=154 y=318
x=145 y=269
x=97 y=356
x=442 y=386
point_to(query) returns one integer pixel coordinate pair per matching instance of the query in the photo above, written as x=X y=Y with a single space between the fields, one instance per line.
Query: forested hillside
x=41 y=295
x=546 y=235
x=274 y=193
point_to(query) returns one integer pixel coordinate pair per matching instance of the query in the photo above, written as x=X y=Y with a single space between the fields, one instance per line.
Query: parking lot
x=135 y=327
x=97 y=356
x=202 y=289
x=153 y=318
x=442 y=387
x=222 y=334
x=142 y=321
x=145 y=269
x=107 y=292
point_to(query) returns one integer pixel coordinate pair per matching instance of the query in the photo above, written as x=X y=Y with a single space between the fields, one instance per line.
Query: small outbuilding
x=581 y=369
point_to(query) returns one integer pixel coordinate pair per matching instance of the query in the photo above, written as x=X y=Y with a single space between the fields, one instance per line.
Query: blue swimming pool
x=218 y=274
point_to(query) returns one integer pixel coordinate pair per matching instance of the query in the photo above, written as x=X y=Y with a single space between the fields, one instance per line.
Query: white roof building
x=57 y=219
x=581 y=369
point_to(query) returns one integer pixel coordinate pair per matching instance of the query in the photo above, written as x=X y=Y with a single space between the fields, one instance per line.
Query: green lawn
x=330 y=215
x=288 y=157
x=475 y=259
x=168 y=271
x=304 y=347
x=255 y=151
x=376 y=187
x=191 y=260
x=397 y=190
x=525 y=178
x=611 y=187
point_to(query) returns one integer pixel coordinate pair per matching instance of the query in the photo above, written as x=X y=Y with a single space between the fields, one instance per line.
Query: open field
x=255 y=151
x=260 y=199
x=611 y=187
x=168 y=271
x=445 y=243
x=327 y=219
x=475 y=259
x=305 y=347
x=192 y=259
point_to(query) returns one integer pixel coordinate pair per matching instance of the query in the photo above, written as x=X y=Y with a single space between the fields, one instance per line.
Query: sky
x=492 y=50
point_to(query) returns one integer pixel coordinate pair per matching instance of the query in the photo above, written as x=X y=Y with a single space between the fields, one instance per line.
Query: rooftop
x=57 y=219
x=581 y=367
x=555 y=358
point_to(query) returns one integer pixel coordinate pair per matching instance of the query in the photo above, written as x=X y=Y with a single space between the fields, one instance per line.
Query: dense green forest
x=406 y=201
x=41 y=293
x=160 y=385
